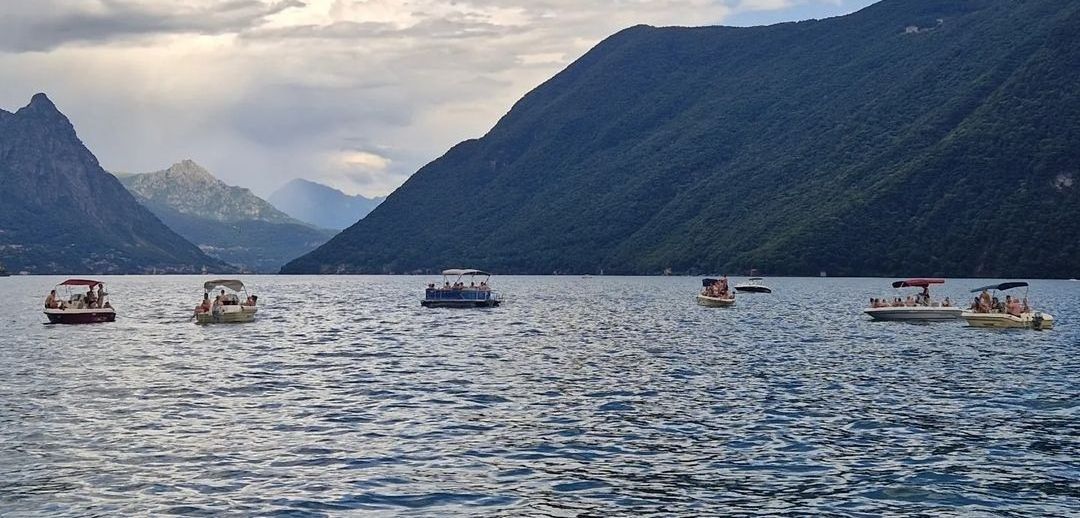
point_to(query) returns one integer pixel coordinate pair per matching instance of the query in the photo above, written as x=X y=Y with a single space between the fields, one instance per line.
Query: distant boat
x=458 y=295
x=823 y=274
x=753 y=285
x=713 y=301
x=230 y=310
x=3 y=271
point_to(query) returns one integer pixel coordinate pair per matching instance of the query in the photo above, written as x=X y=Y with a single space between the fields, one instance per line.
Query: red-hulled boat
x=91 y=307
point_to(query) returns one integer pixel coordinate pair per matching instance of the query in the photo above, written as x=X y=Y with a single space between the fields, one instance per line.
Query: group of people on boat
x=93 y=299
x=985 y=303
x=908 y=302
x=483 y=286
x=719 y=289
x=223 y=299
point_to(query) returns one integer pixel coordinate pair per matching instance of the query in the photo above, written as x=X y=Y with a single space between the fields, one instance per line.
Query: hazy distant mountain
x=915 y=137
x=321 y=205
x=61 y=213
x=225 y=221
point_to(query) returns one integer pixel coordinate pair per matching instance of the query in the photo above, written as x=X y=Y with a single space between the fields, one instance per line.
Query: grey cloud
x=47 y=24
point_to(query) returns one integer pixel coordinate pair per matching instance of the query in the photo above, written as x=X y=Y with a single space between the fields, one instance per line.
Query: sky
x=356 y=94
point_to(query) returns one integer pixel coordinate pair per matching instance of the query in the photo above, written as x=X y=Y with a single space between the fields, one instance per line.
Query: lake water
x=596 y=396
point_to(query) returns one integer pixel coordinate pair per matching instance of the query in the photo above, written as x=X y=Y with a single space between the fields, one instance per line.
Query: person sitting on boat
x=51 y=302
x=1014 y=308
x=205 y=306
x=251 y=301
x=90 y=298
x=946 y=303
x=984 y=302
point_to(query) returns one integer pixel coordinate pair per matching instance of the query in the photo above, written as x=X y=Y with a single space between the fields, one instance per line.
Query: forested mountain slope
x=914 y=137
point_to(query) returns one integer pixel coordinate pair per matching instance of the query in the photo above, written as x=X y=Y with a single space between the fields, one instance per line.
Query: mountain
x=914 y=137
x=225 y=221
x=320 y=205
x=60 y=212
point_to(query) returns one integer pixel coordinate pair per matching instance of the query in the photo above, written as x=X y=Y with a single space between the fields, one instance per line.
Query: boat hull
x=80 y=316
x=1006 y=321
x=914 y=314
x=244 y=315
x=753 y=289
x=490 y=303
x=715 y=302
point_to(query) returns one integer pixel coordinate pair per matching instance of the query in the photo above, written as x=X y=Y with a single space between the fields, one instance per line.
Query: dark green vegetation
x=60 y=212
x=320 y=205
x=226 y=222
x=914 y=137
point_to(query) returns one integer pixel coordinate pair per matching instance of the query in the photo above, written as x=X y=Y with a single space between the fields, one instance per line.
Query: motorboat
x=714 y=294
x=989 y=311
x=918 y=308
x=91 y=307
x=227 y=306
x=753 y=285
x=458 y=294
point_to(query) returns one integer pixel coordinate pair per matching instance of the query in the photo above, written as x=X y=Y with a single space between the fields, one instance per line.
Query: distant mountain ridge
x=225 y=221
x=61 y=213
x=912 y=137
x=321 y=205
x=188 y=188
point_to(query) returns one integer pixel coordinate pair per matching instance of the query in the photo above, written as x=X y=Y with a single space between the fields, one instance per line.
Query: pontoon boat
x=984 y=313
x=91 y=307
x=460 y=295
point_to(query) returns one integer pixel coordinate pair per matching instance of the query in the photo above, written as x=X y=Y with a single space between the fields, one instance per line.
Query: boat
x=228 y=307
x=753 y=285
x=922 y=309
x=3 y=271
x=1022 y=317
x=460 y=295
x=710 y=297
x=93 y=307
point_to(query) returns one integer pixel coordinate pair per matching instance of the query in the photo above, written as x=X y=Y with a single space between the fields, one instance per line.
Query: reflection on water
x=592 y=395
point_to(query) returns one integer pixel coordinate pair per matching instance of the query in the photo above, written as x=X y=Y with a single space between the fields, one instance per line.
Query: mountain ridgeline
x=225 y=221
x=60 y=212
x=320 y=205
x=914 y=137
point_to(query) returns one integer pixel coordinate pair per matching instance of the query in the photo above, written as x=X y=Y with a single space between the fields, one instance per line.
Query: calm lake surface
x=597 y=396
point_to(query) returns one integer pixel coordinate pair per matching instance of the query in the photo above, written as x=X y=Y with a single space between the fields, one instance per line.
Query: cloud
x=261 y=92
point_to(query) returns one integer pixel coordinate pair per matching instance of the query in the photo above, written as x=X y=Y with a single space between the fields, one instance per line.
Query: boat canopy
x=232 y=284
x=756 y=279
x=458 y=272
x=1001 y=287
x=80 y=282
x=917 y=283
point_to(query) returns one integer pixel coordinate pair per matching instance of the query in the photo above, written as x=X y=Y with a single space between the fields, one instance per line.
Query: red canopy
x=917 y=283
x=79 y=282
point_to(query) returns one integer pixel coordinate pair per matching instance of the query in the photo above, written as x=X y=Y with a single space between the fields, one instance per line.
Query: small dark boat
x=460 y=295
x=80 y=308
x=753 y=285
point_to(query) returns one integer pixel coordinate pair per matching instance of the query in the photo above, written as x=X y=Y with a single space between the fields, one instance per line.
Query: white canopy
x=232 y=284
x=458 y=272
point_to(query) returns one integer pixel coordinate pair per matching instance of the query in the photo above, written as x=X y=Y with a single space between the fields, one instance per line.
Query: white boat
x=1021 y=317
x=713 y=298
x=228 y=307
x=753 y=285
x=923 y=309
